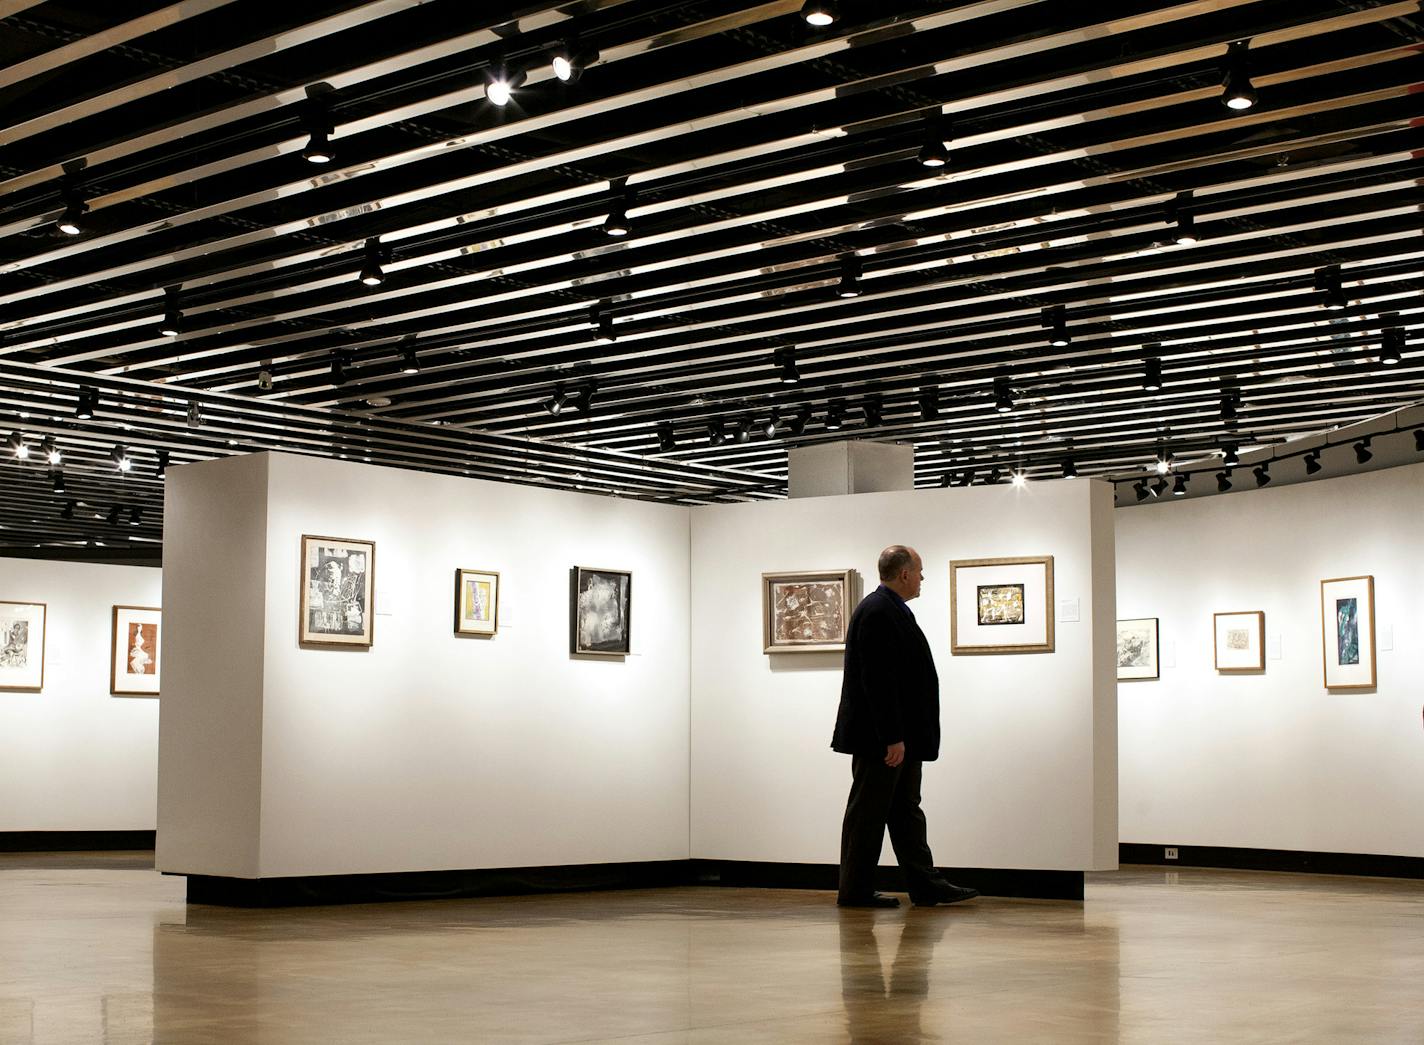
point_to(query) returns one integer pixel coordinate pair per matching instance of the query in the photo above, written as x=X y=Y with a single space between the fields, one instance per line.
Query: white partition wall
x=427 y=751
x=1274 y=760
x=72 y=757
x=1027 y=773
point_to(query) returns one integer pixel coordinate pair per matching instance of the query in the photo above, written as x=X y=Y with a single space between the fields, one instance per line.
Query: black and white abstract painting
x=337 y=586
x=602 y=605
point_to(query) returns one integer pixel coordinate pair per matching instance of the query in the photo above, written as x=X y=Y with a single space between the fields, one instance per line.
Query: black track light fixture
x=1070 y=469
x=666 y=441
x=1363 y=453
x=1160 y=487
x=1328 y=285
x=601 y=320
x=317 y=117
x=1054 y=319
x=338 y=368
x=120 y=456
x=966 y=477
x=71 y=218
x=934 y=152
x=772 y=424
x=161 y=469
x=1179 y=486
x=1139 y=489
x=820 y=13
x=1237 y=92
x=1262 y=472
x=617 y=223
x=51 y=452
x=742 y=431
x=799 y=420
x=67 y=512
x=1152 y=371
x=1228 y=408
x=555 y=404
x=114 y=515
x=583 y=400
x=57 y=480
x=172 y=322
x=1230 y=457
x=195 y=414
x=264 y=380
x=785 y=361
x=1392 y=346
x=88 y=403
x=874 y=410
x=835 y=415
x=929 y=403
x=502 y=81
x=1181 y=215
x=569 y=59
x=410 y=359
x=996 y=476
x=1003 y=397
x=135 y=515
x=1223 y=482
x=373 y=274
x=17 y=446
x=849 y=285
x=716 y=431
x=1312 y=462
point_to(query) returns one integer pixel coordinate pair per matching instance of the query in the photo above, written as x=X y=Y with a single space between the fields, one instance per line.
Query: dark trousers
x=882 y=797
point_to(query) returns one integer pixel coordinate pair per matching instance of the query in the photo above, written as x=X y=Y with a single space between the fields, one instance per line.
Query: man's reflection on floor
x=877 y=1009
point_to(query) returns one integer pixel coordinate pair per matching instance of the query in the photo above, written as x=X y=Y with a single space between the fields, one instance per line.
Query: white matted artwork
x=338 y=592
x=476 y=602
x=1137 y=650
x=22 y=646
x=1347 y=624
x=1001 y=605
x=136 y=651
x=1239 y=641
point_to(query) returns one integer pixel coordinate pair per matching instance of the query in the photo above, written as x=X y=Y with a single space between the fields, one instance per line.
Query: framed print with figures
x=338 y=578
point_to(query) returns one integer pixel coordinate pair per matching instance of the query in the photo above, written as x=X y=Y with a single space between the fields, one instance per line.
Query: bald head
x=900 y=570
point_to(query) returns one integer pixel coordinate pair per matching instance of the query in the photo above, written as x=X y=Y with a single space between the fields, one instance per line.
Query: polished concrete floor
x=103 y=949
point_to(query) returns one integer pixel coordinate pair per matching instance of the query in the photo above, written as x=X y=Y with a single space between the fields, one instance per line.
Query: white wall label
x=1069 y=611
x=386 y=603
x=1386 y=637
x=1169 y=654
x=1273 y=646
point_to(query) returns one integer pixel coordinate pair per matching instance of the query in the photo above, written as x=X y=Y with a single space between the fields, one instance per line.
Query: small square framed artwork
x=1001 y=605
x=601 y=612
x=1137 y=649
x=1239 y=641
x=806 y=612
x=22 y=646
x=1347 y=632
x=337 y=586
x=137 y=647
x=476 y=602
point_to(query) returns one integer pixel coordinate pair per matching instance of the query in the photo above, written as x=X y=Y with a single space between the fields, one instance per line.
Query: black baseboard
x=432 y=885
x=1359 y=864
x=74 y=841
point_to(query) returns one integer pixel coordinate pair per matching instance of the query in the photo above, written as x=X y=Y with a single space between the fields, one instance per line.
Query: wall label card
x=1069 y=611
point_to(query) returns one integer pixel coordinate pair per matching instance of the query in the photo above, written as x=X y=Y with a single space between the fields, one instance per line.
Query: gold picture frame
x=1025 y=615
x=1243 y=660
x=337 y=592
x=816 y=603
x=1338 y=670
x=18 y=645
x=136 y=651
x=476 y=602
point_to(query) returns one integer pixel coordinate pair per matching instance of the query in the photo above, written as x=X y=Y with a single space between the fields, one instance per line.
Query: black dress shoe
x=873 y=900
x=945 y=893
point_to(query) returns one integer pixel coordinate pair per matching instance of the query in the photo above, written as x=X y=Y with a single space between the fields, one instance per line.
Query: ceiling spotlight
x=935 y=150
x=1003 y=398
x=617 y=224
x=966 y=477
x=1312 y=462
x=71 y=219
x=410 y=361
x=1164 y=463
x=772 y=424
x=1228 y=408
x=172 y=323
x=556 y=403
x=820 y=13
x=1018 y=478
x=264 y=380
x=1159 y=487
x=1152 y=372
x=135 y=515
x=67 y=512
x=318 y=149
x=716 y=432
x=16 y=445
x=1223 y=482
x=88 y=403
x=1392 y=347
x=1363 y=453
x=58 y=482
x=318 y=126
x=502 y=84
x=1262 y=472
x=602 y=322
x=161 y=469
x=51 y=451
x=666 y=442
x=372 y=274
x=835 y=415
x=1327 y=283
x=120 y=456
x=1179 y=488
x=799 y=420
x=1230 y=457
x=338 y=368
x=583 y=400
x=1180 y=213
x=1139 y=489
x=874 y=411
x=785 y=359
x=849 y=286
x=569 y=61
x=114 y=515
x=996 y=476
x=742 y=431
x=1237 y=91
x=1070 y=469
x=195 y=415
x=929 y=402
x=1054 y=319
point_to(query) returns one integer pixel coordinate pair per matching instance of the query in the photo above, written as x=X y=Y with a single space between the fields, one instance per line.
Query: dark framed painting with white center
x=806 y=612
x=1239 y=641
x=22 y=646
x=476 y=602
x=338 y=587
x=1137 y=649
x=1347 y=632
x=601 y=612
x=1001 y=605
x=137 y=646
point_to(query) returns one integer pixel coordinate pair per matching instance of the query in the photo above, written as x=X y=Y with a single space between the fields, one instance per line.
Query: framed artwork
x=1137 y=649
x=601 y=611
x=1001 y=605
x=22 y=646
x=338 y=589
x=136 y=645
x=806 y=612
x=476 y=602
x=1347 y=626
x=1239 y=641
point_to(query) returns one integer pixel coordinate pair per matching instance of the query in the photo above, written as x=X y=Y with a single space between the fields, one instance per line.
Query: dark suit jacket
x=890 y=692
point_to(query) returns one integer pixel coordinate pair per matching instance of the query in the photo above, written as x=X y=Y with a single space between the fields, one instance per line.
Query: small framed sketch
x=338 y=578
x=136 y=647
x=1347 y=624
x=1137 y=649
x=476 y=602
x=22 y=646
x=806 y=612
x=1239 y=641
x=1001 y=605
x=601 y=612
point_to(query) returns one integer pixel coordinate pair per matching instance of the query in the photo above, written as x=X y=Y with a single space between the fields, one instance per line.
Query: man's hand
x=894 y=754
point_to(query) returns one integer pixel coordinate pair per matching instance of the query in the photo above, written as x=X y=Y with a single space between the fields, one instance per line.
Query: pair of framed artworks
x=996 y=606
x=338 y=600
x=133 y=648
x=1347 y=611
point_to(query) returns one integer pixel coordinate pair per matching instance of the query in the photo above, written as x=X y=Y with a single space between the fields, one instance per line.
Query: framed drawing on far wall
x=136 y=645
x=1137 y=649
x=338 y=587
x=1239 y=641
x=1347 y=626
x=476 y=602
x=22 y=646
x=1001 y=605
x=601 y=612
x=806 y=612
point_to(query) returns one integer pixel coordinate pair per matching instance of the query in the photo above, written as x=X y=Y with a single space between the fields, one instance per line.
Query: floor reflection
x=878 y=1006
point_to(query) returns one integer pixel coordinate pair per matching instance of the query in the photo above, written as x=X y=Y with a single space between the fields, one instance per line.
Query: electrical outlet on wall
x=1171 y=852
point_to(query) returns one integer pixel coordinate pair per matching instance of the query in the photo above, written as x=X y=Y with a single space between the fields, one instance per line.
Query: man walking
x=889 y=724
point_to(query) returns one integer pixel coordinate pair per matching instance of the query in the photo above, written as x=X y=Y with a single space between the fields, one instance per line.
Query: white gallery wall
x=1274 y=760
x=1027 y=771
x=72 y=757
x=429 y=750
